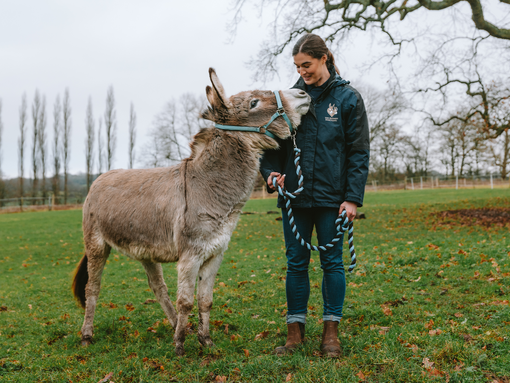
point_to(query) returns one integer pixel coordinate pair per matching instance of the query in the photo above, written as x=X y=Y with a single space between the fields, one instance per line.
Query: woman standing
x=334 y=142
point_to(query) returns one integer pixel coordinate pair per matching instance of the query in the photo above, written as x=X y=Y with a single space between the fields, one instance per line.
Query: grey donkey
x=184 y=213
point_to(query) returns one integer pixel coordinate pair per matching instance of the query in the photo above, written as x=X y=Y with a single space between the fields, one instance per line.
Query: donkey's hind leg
x=206 y=278
x=157 y=283
x=96 y=259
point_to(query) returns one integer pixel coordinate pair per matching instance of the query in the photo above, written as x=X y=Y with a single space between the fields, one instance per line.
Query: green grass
x=428 y=275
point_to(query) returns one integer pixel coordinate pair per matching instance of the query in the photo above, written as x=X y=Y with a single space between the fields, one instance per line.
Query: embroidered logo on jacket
x=332 y=110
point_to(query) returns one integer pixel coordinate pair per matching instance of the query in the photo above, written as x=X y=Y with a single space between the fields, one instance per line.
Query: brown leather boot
x=330 y=345
x=295 y=337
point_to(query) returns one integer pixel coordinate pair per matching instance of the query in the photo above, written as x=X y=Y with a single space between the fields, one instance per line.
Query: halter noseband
x=262 y=129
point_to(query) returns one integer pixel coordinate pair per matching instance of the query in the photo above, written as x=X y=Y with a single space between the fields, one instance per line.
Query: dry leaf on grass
x=106 y=378
x=220 y=378
x=289 y=378
x=262 y=335
x=246 y=353
x=386 y=310
x=361 y=376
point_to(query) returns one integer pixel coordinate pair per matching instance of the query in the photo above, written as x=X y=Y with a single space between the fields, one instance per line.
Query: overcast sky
x=150 y=51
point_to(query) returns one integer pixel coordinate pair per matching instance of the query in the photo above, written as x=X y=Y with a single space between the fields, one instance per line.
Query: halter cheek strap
x=262 y=129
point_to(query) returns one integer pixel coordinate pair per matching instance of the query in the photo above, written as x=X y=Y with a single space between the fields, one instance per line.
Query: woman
x=334 y=142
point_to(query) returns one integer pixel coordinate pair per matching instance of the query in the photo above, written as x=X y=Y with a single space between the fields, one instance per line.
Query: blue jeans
x=298 y=258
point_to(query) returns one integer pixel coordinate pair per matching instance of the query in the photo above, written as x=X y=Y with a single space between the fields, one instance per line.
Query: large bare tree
x=110 y=124
x=57 y=147
x=36 y=106
x=41 y=142
x=66 y=139
x=89 y=143
x=21 y=142
x=132 y=136
x=337 y=19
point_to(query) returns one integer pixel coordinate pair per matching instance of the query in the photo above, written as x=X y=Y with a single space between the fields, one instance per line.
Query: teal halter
x=262 y=129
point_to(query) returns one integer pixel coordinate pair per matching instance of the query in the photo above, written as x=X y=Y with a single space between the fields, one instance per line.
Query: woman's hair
x=315 y=47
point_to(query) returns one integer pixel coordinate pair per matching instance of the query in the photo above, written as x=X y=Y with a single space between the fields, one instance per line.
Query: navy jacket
x=335 y=149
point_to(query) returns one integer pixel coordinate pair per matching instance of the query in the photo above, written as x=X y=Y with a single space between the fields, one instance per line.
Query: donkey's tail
x=81 y=277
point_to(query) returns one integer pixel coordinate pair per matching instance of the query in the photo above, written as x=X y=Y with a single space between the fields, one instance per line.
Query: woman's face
x=313 y=71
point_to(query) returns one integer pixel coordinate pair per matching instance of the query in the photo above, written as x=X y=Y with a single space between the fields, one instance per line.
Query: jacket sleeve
x=357 y=142
x=270 y=162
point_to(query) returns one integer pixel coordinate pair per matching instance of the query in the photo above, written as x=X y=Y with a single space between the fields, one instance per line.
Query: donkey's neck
x=228 y=167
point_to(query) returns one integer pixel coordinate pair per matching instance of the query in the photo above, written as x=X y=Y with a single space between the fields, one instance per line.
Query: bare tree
x=384 y=107
x=89 y=143
x=110 y=122
x=2 y=184
x=57 y=150
x=21 y=141
x=415 y=151
x=100 y=147
x=132 y=136
x=173 y=129
x=500 y=152
x=66 y=138
x=36 y=106
x=41 y=138
x=386 y=147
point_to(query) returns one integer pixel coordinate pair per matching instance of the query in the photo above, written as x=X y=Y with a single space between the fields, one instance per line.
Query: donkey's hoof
x=85 y=342
x=206 y=341
x=179 y=350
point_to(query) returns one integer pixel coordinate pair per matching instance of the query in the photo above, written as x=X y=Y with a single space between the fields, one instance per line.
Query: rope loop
x=342 y=223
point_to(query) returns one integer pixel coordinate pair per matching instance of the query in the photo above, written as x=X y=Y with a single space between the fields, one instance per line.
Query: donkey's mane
x=200 y=141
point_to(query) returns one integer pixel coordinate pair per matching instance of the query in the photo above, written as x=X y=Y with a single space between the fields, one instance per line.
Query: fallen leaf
x=289 y=377
x=435 y=332
x=148 y=301
x=427 y=364
x=262 y=335
x=416 y=280
x=106 y=378
x=361 y=376
x=458 y=315
x=129 y=307
x=386 y=310
x=429 y=324
x=222 y=284
x=30 y=307
x=221 y=378
x=246 y=353
x=226 y=329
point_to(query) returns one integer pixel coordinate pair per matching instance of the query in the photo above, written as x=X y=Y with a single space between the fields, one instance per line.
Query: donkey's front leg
x=187 y=270
x=206 y=278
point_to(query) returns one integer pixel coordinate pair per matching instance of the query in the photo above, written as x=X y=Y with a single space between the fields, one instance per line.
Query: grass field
x=427 y=302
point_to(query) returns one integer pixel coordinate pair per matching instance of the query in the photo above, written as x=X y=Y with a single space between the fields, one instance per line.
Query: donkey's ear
x=219 y=92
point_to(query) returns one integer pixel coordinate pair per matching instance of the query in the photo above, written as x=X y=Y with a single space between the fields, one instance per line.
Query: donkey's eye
x=253 y=103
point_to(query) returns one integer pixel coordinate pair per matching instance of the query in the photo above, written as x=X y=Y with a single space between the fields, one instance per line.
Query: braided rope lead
x=342 y=223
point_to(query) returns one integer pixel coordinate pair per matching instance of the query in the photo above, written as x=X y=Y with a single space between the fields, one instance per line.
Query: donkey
x=184 y=213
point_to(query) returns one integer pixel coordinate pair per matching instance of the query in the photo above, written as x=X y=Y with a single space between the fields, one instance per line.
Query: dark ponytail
x=315 y=47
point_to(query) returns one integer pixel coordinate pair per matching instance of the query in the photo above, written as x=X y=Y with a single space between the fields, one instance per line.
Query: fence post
x=421 y=182
x=405 y=183
x=492 y=185
x=432 y=183
x=457 y=182
x=21 y=204
x=412 y=183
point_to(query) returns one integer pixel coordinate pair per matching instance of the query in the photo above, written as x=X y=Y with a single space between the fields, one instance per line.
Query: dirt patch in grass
x=476 y=217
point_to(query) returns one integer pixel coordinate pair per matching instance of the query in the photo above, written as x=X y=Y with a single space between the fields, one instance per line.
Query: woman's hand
x=350 y=208
x=279 y=179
